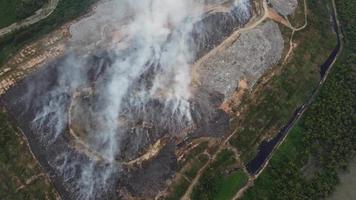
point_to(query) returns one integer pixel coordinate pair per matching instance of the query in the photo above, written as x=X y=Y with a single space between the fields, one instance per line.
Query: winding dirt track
x=225 y=44
x=292 y=45
x=234 y=36
x=266 y=13
x=307 y=103
x=271 y=14
x=40 y=14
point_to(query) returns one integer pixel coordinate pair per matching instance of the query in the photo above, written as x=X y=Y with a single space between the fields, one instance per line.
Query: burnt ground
x=68 y=166
x=65 y=164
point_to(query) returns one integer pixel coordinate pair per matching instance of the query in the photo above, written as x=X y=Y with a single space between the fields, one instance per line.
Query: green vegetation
x=196 y=165
x=17 y=166
x=306 y=166
x=194 y=152
x=178 y=189
x=221 y=180
x=15 y=10
x=230 y=185
x=297 y=18
x=190 y=172
x=270 y=107
x=65 y=11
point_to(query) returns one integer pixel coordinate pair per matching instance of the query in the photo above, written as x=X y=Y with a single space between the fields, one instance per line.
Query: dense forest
x=17 y=10
x=26 y=8
x=306 y=166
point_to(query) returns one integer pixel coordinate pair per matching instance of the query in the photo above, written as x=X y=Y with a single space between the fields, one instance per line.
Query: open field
x=222 y=179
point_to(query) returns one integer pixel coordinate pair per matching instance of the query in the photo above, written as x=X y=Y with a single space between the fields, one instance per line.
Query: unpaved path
x=293 y=45
x=225 y=44
x=40 y=14
x=268 y=13
x=306 y=104
x=234 y=36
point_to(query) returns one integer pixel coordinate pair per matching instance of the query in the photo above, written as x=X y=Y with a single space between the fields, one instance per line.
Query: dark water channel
x=266 y=148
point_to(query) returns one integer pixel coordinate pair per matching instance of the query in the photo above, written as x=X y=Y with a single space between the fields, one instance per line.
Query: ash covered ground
x=104 y=120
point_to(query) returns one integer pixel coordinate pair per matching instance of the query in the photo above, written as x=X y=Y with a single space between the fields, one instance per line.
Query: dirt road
x=40 y=14
x=309 y=101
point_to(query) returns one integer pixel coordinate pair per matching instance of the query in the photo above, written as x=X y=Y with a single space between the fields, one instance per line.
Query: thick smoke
x=154 y=67
x=145 y=76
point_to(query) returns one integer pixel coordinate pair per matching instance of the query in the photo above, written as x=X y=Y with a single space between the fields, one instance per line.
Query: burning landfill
x=104 y=119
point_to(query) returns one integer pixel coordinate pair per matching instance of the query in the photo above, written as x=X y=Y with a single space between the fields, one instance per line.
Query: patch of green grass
x=178 y=189
x=297 y=19
x=194 y=153
x=224 y=158
x=221 y=180
x=195 y=166
x=230 y=185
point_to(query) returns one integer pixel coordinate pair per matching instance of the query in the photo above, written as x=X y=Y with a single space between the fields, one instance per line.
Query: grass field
x=229 y=185
x=221 y=180
x=178 y=189
x=195 y=166
x=190 y=171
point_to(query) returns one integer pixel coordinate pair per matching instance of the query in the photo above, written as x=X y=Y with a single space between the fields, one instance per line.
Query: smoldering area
x=102 y=105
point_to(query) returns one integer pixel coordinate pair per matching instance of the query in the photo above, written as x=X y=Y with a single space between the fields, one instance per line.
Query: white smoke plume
x=151 y=62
